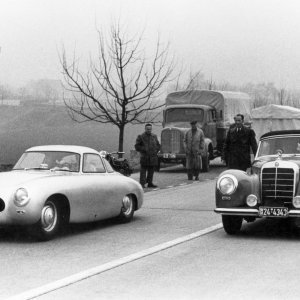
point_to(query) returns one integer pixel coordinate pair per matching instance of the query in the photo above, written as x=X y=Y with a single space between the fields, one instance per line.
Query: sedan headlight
x=227 y=184
x=21 y=197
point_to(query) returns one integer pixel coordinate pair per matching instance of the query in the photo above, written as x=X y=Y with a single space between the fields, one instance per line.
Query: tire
x=205 y=164
x=293 y=225
x=50 y=222
x=127 y=210
x=232 y=224
x=157 y=167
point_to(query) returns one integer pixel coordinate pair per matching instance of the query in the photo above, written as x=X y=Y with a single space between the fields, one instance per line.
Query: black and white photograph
x=149 y=149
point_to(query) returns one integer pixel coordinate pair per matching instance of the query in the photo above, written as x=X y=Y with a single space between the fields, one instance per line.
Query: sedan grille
x=170 y=141
x=277 y=184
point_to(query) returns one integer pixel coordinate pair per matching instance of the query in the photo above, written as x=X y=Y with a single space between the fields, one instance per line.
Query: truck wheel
x=232 y=224
x=205 y=163
x=157 y=168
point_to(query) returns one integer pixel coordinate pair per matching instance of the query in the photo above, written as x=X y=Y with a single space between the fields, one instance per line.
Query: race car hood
x=19 y=177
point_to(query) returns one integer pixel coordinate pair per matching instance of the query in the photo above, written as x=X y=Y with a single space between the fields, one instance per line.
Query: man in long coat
x=148 y=146
x=194 y=148
x=239 y=140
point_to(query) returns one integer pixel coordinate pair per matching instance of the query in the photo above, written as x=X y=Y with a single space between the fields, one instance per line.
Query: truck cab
x=176 y=122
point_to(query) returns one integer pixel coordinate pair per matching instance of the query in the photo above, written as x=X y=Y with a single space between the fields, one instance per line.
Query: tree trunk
x=121 y=139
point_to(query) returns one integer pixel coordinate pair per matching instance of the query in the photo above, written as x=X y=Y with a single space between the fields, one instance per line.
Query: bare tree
x=194 y=80
x=122 y=87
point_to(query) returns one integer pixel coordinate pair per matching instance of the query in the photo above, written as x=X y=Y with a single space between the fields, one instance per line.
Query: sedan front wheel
x=232 y=224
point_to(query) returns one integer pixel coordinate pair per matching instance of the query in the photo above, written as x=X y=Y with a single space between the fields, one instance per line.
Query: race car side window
x=92 y=163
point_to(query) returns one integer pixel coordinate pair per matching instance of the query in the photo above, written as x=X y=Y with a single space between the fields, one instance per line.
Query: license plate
x=273 y=212
x=166 y=155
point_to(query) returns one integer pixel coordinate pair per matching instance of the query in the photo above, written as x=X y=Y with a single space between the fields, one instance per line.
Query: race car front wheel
x=50 y=221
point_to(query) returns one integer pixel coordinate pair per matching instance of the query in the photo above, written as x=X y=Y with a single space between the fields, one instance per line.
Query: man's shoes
x=151 y=185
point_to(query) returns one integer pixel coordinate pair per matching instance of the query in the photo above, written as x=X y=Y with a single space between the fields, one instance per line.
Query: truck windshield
x=184 y=115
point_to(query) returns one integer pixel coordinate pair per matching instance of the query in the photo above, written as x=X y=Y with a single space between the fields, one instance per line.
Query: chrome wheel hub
x=49 y=217
x=127 y=205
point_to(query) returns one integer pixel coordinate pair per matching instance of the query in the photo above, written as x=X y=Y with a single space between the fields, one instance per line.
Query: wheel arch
x=210 y=151
x=135 y=201
x=64 y=204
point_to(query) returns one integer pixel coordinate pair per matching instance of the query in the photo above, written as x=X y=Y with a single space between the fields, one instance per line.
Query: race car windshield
x=46 y=160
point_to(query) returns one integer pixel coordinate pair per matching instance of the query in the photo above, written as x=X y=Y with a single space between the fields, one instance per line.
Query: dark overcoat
x=148 y=146
x=237 y=146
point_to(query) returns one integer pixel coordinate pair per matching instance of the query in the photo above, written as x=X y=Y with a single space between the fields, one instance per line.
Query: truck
x=213 y=110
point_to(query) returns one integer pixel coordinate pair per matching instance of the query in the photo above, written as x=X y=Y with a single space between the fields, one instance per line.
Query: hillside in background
x=22 y=127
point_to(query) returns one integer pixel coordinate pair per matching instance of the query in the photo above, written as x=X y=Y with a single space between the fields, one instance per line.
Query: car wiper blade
x=60 y=169
x=36 y=168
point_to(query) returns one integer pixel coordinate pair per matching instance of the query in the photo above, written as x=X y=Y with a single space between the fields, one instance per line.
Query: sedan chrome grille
x=170 y=140
x=277 y=184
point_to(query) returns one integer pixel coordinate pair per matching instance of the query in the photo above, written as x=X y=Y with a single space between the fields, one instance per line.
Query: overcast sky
x=229 y=40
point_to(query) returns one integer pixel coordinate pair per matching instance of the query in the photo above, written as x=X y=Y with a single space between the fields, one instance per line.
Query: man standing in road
x=239 y=140
x=148 y=146
x=194 y=148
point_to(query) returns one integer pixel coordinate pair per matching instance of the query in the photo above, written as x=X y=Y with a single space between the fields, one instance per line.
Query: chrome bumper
x=249 y=212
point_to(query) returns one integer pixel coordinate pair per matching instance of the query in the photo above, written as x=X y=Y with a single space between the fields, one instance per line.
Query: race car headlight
x=251 y=200
x=227 y=184
x=21 y=197
x=296 y=201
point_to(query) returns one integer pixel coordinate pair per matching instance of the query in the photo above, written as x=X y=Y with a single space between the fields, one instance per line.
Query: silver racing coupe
x=53 y=185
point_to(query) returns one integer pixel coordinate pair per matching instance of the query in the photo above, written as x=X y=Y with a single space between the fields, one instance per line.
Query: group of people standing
x=239 y=141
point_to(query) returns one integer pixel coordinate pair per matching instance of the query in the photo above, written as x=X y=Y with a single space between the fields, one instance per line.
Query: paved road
x=174 y=175
x=256 y=264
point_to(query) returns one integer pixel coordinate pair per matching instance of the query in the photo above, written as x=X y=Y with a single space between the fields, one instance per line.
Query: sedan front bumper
x=250 y=212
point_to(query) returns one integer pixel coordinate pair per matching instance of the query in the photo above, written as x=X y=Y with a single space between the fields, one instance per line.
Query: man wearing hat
x=194 y=148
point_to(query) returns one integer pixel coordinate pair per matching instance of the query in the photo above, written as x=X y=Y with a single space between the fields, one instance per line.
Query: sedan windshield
x=288 y=145
x=45 y=160
x=184 y=115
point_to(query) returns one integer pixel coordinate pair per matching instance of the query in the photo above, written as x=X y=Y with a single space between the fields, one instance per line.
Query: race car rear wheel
x=128 y=208
x=232 y=224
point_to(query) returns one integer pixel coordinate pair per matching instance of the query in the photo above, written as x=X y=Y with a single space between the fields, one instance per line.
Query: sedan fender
x=243 y=186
